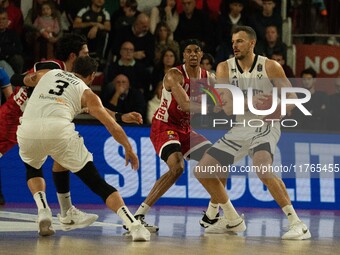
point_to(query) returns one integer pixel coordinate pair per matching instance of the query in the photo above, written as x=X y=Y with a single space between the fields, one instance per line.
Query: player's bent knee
x=90 y=176
x=32 y=172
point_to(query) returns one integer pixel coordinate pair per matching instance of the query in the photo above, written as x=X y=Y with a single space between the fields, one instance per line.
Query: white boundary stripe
x=33 y=217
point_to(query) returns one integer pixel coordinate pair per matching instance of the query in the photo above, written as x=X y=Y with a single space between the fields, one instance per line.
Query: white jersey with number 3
x=57 y=95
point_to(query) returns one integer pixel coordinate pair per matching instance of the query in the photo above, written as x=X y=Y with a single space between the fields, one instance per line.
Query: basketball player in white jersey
x=249 y=70
x=57 y=98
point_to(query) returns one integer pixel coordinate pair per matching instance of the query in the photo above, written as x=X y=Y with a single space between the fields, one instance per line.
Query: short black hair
x=247 y=29
x=85 y=66
x=187 y=42
x=310 y=71
x=69 y=43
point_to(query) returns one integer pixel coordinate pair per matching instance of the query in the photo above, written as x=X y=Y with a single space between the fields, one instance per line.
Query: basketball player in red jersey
x=171 y=132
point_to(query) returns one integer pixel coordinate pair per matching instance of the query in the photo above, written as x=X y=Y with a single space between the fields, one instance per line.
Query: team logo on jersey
x=259 y=76
x=171 y=134
x=233 y=70
x=259 y=67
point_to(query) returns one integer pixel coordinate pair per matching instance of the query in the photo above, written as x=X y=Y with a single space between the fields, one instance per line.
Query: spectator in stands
x=208 y=62
x=10 y=44
x=169 y=59
x=317 y=105
x=230 y=16
x=49 y=26
x=144 y=42
x=163 y=41
x=118 y=96
x=279 y=57
x=261 y=19
x=127 y=65
x=194 y=23
x=15 y=18
x=94 y=22
x=333 y=106
x=153 y=103
x=165 y=12
x=271 y=43
x=124 y=16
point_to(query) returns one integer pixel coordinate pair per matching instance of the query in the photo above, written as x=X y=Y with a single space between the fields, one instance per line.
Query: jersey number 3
x=61 y=85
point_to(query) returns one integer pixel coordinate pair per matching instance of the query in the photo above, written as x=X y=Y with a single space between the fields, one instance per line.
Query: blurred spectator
x=5 y=86
x=169 y=59
x=70 y=10
x=230 y=16
x=153 y=103
x=333 y=106
x=271 y=43
x=165 y=12
x=163 y=41
x=279 y=57
x=10 y=44
x=316 y=105
x=141 y=38
x=123 y=17
x=15 y=18
x=118 y=96
x=261 y=19
x=146 y=6
x=8 y=69
x=194 y=23
x=94 y=22
x=48 y=25
x=208 y=62
x=127 y=65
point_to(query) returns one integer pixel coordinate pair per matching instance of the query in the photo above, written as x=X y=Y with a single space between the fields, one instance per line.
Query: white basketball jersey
x=57 y=95
x=256 y=78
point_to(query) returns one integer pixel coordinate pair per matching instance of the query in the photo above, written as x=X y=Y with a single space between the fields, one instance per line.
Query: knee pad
x=32 y=172
x=90 y=176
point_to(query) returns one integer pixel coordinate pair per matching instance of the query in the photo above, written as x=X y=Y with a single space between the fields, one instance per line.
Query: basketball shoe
x=139 y=233
x=220 y=225
x=297 y=231
x=76 y=219
x=45 y=222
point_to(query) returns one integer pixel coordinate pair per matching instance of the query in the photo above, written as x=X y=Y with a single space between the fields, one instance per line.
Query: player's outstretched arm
x=95 y=108
x=28 y=79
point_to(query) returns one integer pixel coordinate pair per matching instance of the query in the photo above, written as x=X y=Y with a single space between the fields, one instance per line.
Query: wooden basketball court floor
x=180 y=233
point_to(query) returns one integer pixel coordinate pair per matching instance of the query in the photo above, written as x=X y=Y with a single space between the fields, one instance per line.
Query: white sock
x=65 y=202
x=291 y=214
x=143 y=209
x=229 y=211
x=40 y=200
x=212 y=210
x=127 y=217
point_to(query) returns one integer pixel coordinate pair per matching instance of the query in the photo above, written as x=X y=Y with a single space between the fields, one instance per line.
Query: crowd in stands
x=137 y=41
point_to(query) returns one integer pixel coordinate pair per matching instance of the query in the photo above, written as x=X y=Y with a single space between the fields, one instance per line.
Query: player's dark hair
x=248 y=30
x=187 y=42
x=69 y=43
x=310 y=71
x=85 y=66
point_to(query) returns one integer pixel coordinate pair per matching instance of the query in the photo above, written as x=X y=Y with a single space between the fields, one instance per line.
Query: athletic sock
x=40 y=200
x=127 y=217
x=143 y=209
x=291 y=214
x=65 y=202
x=212 y=210
x=229 y=211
